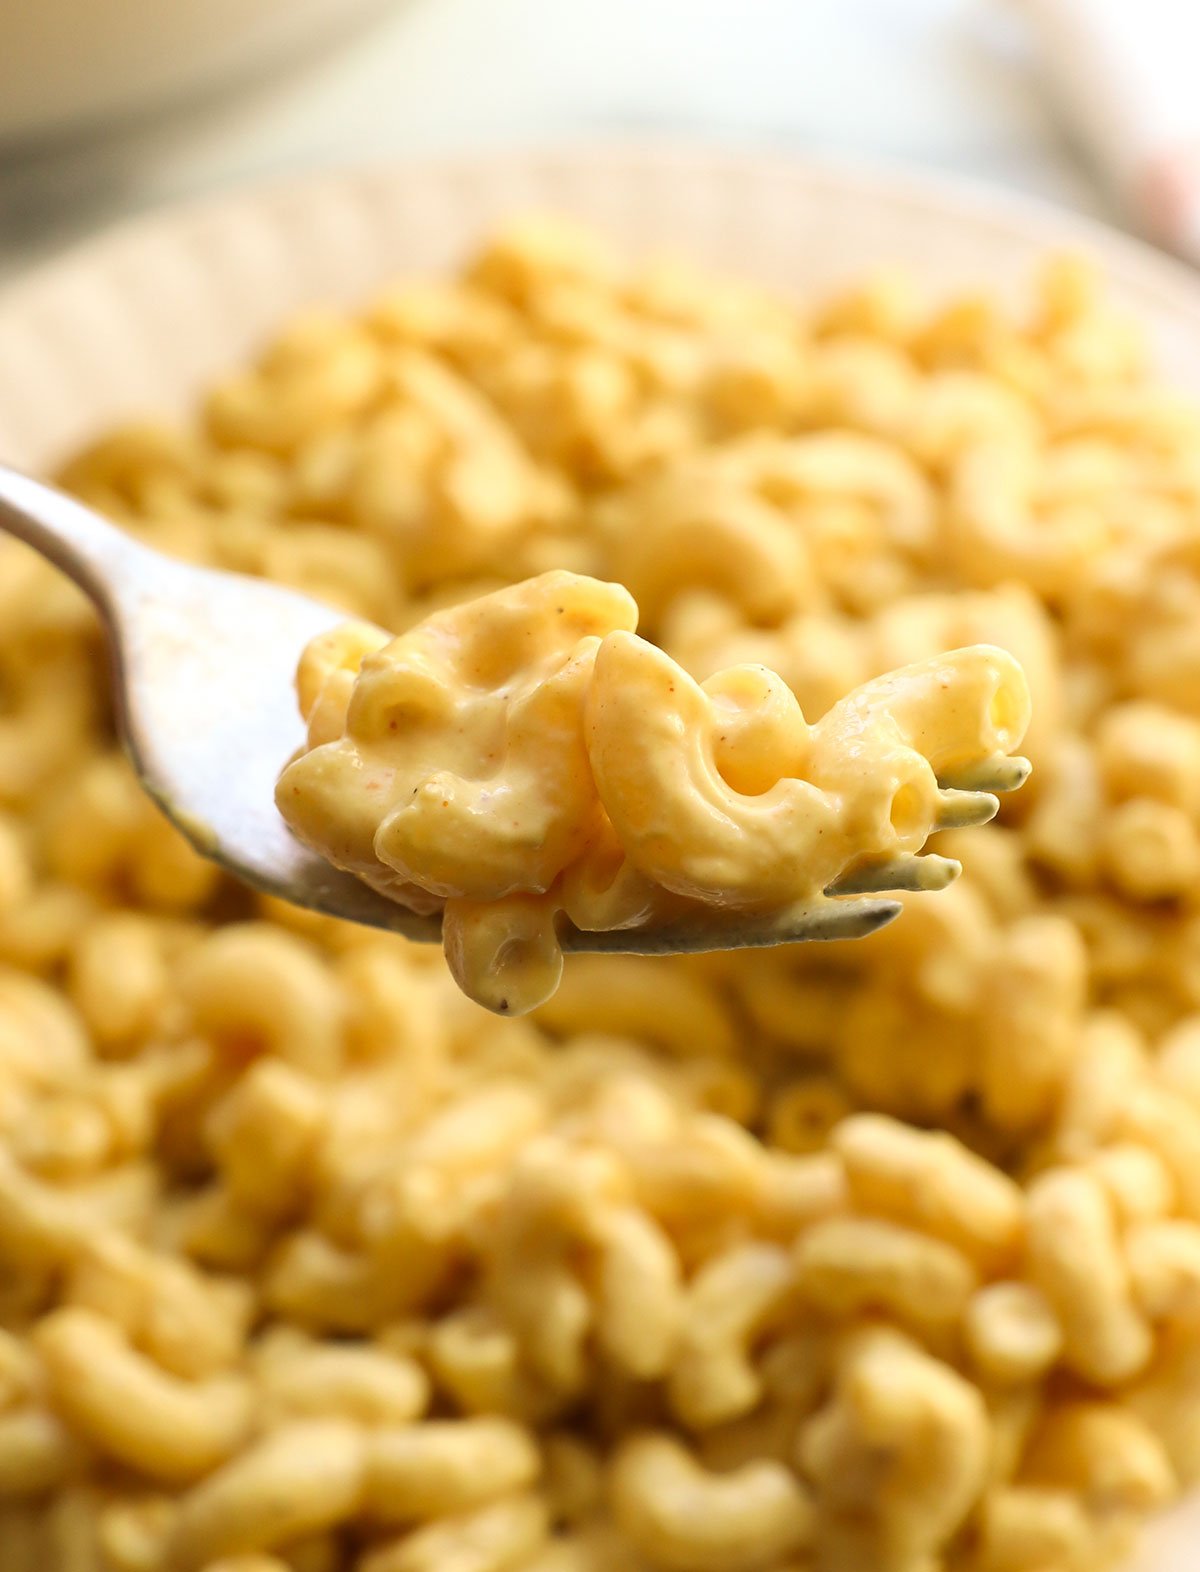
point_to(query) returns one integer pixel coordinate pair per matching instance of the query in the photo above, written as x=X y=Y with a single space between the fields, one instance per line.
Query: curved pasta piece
x=998 y=533
x=698 y=531
x=723 y=793
x=963 y=711
x=461 y=769
x=651 y=741
x=505 y=954
x=684 y=1518
x=305 y=1477
x=133 y=1411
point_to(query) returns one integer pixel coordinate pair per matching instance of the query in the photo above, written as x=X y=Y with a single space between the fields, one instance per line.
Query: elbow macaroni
x=526 y=753
x=686 y=1519
x=880 y=1256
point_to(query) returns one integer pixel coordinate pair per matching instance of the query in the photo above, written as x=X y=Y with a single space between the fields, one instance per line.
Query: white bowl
x=137 y=320
x=72 y=61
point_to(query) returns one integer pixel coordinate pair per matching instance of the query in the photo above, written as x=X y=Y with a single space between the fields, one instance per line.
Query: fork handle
x=86 y=547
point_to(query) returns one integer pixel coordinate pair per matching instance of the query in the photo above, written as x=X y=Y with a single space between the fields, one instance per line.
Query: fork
x=203 y=664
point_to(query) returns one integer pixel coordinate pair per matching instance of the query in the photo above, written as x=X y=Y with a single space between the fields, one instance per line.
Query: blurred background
x=112 y=107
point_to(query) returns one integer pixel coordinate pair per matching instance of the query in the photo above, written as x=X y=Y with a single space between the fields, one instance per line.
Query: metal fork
x=203 y=665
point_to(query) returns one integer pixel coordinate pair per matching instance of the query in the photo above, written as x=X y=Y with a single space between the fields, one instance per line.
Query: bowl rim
x=895 y=183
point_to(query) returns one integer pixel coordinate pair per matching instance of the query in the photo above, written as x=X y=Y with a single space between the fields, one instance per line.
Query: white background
x=947 y=84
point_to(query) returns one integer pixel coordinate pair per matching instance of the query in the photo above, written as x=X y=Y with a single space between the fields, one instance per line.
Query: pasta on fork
x=526 y=755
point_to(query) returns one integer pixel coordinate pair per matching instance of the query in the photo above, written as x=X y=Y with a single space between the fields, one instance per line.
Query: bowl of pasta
x=873 y=1256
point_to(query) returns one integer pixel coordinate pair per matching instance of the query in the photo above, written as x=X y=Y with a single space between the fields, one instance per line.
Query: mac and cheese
x=526 y=754
x=881 y=1255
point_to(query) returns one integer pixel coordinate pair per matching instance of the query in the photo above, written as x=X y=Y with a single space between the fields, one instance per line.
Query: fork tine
x=929 y=872
x=808 y=921
x=991 y=775
x=958 y=809
x=851 y=919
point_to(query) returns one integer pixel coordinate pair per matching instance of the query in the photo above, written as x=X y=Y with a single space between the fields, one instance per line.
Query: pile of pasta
x=872 y=1257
